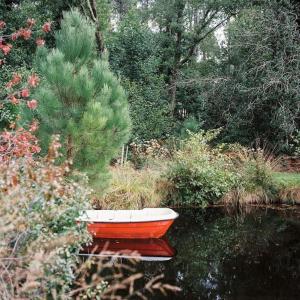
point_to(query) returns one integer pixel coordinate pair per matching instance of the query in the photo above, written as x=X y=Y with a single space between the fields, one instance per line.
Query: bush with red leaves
x=18 y=143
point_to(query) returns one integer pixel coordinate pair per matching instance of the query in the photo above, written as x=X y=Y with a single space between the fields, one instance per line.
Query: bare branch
x=201 y=38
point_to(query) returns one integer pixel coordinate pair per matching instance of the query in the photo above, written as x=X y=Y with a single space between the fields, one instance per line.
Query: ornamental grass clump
x=289 y=186
x=256 y=183
x=132 y=189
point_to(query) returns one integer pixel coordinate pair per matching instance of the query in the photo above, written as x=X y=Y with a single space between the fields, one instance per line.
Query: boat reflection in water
x=143 y=249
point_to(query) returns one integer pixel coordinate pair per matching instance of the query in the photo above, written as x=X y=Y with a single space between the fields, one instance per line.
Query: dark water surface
x=230 y=255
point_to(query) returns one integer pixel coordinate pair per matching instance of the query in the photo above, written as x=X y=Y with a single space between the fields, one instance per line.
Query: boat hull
x=128 y=230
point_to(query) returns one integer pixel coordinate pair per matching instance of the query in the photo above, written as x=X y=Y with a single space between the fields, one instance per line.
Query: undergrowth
x=200 y=173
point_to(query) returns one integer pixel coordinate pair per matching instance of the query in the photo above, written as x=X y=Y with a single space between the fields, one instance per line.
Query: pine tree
x=81 y=99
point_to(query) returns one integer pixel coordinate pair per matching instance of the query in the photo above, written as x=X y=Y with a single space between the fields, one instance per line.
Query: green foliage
x=189 y=125
x=199 y=174
x=104 y=12
x=148 y=110
x=134 y=55
x=81 y=99
x=249 y=86
x=175 y=69
x=255 y=92
x=8 y=114
x=132 y=49
x=256 y=174
x=295 y=143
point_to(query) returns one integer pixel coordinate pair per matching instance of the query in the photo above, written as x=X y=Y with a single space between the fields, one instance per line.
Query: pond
x=223 y=254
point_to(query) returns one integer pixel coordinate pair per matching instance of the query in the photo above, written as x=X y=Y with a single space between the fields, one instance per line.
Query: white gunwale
x=128 y=216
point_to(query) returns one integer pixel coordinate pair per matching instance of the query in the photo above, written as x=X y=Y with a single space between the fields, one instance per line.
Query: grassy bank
x=288 y=186
x=287 y=179
x=136 y=189
x=198 y=174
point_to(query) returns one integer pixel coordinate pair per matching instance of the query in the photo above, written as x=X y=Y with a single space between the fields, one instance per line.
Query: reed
x=256 y=184
x=290 y=195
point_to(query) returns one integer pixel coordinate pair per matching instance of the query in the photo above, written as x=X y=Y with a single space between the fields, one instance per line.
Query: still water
x=219 y=254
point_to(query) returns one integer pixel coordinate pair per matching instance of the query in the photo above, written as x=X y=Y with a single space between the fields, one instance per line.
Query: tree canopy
x=200 y=64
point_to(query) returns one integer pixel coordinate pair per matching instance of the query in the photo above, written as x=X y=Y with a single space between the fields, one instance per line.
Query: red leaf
x=25 y=93
x=32 y=104
x=33 y=80
x=46 y=27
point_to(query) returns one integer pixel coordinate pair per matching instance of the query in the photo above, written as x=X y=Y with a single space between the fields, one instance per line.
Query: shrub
x=200 y=174
x=39 y=235
x=16 y=93
x=145 y=153
x=18 y=143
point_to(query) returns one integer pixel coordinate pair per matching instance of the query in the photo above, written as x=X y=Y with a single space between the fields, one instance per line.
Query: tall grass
x=256 y=184
x=132 y=189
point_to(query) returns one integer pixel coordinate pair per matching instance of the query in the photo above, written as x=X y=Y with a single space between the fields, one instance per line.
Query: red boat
x=135 y=224
x=144 y=249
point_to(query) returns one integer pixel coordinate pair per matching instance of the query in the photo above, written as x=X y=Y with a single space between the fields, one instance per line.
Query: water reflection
x=222 y=255
x=144 y=249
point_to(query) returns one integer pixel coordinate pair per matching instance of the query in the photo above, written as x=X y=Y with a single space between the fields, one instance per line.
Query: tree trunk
x=100 y=40
x=94 y=16
x=177 y=55
x=173 y=90
x=70 y=147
